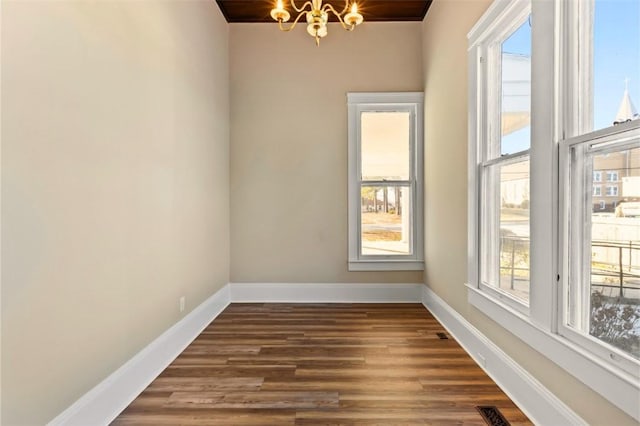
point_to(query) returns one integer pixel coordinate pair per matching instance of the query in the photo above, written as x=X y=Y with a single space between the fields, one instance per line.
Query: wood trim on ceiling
x=254 y=11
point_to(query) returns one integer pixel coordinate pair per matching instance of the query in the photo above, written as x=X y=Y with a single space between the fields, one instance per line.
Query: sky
x=616 y=57
x=519 y=43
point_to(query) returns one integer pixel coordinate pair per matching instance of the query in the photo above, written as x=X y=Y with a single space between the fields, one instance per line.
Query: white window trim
x=358 y=102
x=621 y=389
x=607 y=192
x=501 y=19
x=621 y=134
x=597 y=193
x=489 y=146
x=599 y=174
x=539 y=329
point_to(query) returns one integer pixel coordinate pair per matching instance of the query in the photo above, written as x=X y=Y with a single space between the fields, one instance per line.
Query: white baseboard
x=326 y=293
x=105 y=401
x=536 y=401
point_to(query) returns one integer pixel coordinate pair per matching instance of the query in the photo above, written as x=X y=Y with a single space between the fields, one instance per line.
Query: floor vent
x=442 y=336
x=492 y=415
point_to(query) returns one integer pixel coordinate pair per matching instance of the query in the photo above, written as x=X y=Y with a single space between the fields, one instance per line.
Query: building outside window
x=612 y=191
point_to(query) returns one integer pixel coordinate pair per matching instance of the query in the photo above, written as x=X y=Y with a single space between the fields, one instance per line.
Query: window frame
x=500 y=20
x=573 y=240
x=489 y=146
x=412 y=102
x=555 y=115
x=492 y=290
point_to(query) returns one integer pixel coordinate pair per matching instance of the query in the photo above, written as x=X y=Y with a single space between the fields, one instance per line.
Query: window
x=612 y=176
x=612 y=191
x=579 y=255
x=504 y=162
x=385 y=181
x=603 y=295
x=599 y=302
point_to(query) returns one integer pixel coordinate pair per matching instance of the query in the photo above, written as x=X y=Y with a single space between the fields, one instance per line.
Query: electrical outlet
x=182 y=303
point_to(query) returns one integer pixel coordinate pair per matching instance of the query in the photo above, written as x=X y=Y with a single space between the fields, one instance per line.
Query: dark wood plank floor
x=299 y=364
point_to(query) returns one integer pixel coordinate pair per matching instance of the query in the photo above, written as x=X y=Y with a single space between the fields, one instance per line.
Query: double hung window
x=601 y=291
x=554 y=161
x=504 y=160
x=600 y=269
x=385 y=181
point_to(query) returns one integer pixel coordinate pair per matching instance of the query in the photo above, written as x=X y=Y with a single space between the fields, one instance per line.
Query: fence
x=511 y=248
x=614 y=272
x=623 y=274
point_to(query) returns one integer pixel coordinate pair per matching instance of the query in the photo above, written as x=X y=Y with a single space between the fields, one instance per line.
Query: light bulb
x=279 y=13
x=311 y=29
x=353 y=18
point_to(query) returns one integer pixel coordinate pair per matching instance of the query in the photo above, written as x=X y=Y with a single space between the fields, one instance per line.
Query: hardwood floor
x=302 y=364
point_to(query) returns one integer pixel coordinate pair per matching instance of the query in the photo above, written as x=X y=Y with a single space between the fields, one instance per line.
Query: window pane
x=514 y=229
x=615 y=50
x=386 y=223
x=385 y=145
x=516 y=91
x=610 y=287
x=506 y=229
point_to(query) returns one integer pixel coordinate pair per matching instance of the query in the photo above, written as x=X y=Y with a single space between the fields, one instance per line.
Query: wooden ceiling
x=372 y=10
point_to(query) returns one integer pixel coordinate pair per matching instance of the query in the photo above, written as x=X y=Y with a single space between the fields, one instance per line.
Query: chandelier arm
x=300 y=9
x=346 y=7
x=328 y=6
x=293 y=24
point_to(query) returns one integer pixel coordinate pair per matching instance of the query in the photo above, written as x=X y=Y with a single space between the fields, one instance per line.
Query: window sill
x=386 y=265
x=618 y=387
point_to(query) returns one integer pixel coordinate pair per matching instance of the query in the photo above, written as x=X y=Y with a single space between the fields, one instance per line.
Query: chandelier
x=317 y=16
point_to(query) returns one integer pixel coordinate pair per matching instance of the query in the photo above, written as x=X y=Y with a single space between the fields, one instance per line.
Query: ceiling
x=372 y=10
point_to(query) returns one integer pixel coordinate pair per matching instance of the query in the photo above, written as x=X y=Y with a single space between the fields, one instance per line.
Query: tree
x=369 y=193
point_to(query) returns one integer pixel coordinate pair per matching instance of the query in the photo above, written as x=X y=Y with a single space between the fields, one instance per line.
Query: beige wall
x=115 y=145
x=115 y=165
x=289 y=144
x=445 y=82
